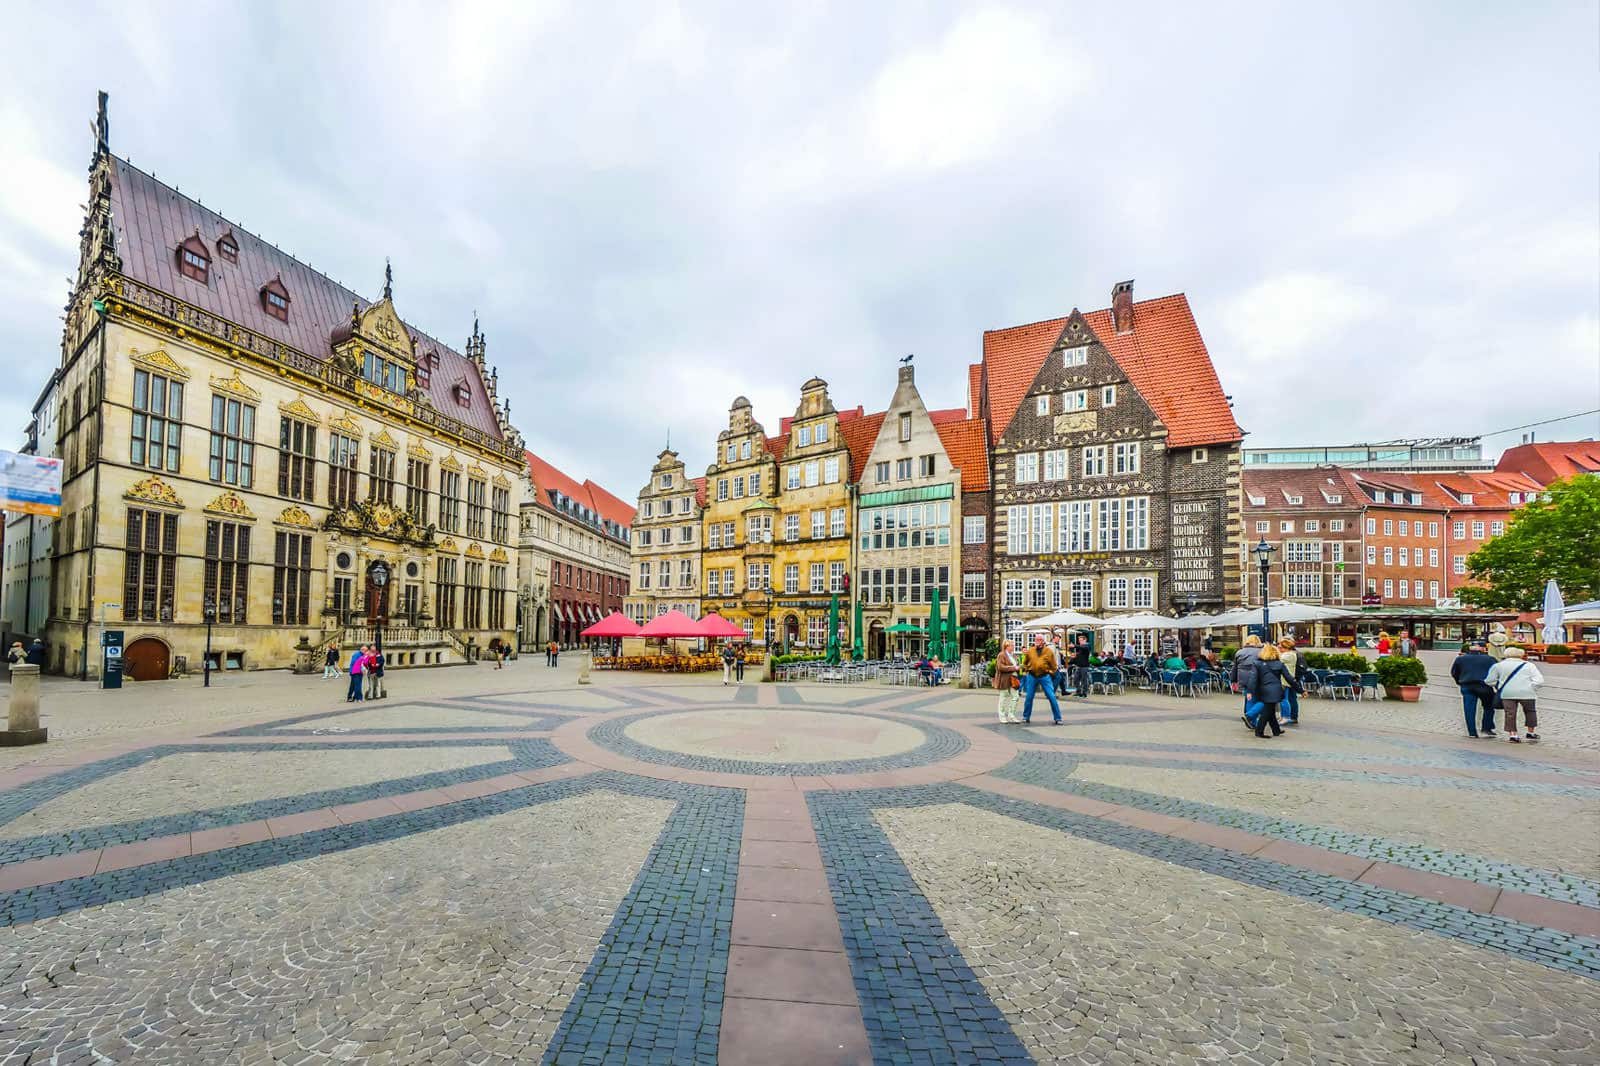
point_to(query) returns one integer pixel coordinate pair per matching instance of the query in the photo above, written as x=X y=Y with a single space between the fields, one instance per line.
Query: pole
x=1266 y=632
x=210 y=614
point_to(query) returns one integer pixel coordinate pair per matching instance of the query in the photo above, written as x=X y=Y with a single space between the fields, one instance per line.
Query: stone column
x=585 y=663
x=966 y=669
x=22 y=725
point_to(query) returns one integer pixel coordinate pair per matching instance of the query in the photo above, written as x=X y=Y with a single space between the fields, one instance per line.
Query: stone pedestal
x=585 y=664
x=767 y=667
x=303 y=653
x=22 y=719
x=966 y=669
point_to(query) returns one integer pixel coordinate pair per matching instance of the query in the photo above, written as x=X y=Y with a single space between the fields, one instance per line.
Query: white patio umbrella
x=1197 y=621
x=1062 y=620
x=1138 y=621
x=1554 y=608
x=1290 y=611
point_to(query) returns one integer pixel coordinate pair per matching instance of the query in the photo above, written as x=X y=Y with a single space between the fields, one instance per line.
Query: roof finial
x=388 y=279
x=102 y=130
x=907 y=360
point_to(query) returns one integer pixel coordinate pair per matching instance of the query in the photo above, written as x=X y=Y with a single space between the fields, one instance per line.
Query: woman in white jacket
x=1514 y=680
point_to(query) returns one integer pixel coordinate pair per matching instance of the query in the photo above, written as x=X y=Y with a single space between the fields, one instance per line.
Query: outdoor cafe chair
x=1342 y=683
x=1369 y=683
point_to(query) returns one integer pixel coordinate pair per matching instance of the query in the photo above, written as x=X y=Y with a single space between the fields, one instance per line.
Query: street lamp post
x=211 y=616
x=1263 y=553
x=380 y=580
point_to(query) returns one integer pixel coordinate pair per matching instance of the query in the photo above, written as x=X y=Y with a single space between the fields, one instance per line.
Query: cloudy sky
x=1387 y=217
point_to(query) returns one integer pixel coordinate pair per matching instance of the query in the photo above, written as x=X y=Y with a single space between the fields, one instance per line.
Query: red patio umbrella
x=671 y=624
x=616 y=624
x=714 y=625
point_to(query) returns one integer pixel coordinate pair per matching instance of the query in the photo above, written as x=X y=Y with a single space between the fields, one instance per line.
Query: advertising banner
x=30 y=484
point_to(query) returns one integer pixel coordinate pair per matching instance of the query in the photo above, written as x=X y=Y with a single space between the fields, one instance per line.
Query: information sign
x=30 y=484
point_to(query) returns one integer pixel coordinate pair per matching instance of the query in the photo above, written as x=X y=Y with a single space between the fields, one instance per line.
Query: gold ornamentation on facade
x=235 y=387
x=158 y=362
x=416 y=451
x=379 y=520
x=232 y=505
x=477 y=471
x=474 y=550
x=347 y=425
x=449 y=545
x=153 y=490
x=297 y=516
x=499 y=556
x=383 y=440
x=501 y=481
x=450 y=462
x=301 y=410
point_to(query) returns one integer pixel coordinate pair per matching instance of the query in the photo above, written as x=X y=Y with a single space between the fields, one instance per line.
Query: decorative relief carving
x=476 y=470
x=301 y=410
x=380 y=520
x=235 y=387
x=232 y=505
x=474 y=550
x=448 y=544
x=1076 y=422
x=450 y=462
x=153 y=490
x=158 y=362
x=501 y=481
x=499 y=556
x=417 y=451
x=297 y=516
x=347 y=425
x=383 y=440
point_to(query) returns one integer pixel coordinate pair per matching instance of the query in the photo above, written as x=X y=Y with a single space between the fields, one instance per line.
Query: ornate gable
x=158 y=362
x=501 y=481
x=448 y=544
x=450 y=462
x=153 y=490
x=499 y=556
x=416 y=451
x=235 y=387
x=347 y=425
x=382 y=325
x=301 y=410
x=474 y=550
x=297 y=517
x=232 y=505
x=477 y=471
x=383 y=440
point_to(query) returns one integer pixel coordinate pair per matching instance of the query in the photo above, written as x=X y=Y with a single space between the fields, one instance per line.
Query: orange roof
x=1488 y=490
x=547 y=479
x=1164 y=357
x=699 y=491
x=963 y=443
x=860 y=431
x=1552 y=461
x=974 y=390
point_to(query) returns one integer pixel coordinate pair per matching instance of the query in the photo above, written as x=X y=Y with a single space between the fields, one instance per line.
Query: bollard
x=966 y=670
x=584 y=665
x=22 y=720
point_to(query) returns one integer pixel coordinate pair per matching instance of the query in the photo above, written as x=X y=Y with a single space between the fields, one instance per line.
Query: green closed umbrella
x=856 y=651
x=833 y=629
x=935 y=627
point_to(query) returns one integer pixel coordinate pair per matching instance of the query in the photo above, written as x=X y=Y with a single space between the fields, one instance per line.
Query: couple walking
x=1268 y=675
x=1038 y=669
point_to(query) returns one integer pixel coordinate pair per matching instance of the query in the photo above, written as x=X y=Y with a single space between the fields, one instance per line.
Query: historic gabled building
x=573 y=555
x=666 y=542
x=738 y=522
x=811 y=522
x=247 y=442
x=1115 y=463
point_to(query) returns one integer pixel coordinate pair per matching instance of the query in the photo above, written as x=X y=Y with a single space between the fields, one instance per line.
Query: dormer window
x=425 y=368
x=193 y=259
x=275 y=299
x=1466 y=497
x=227 y=247
x=384 y=373
x=463 y=394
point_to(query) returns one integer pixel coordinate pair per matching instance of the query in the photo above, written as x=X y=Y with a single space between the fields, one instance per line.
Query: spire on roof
x=388 y=280
x=102 y=130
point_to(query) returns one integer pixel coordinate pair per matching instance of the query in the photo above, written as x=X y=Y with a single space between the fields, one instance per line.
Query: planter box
x=1558 y=658
x=1410 y=693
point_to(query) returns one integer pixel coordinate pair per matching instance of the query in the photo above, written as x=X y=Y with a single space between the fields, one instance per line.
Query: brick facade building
x=1313 y=518
x=573 y=555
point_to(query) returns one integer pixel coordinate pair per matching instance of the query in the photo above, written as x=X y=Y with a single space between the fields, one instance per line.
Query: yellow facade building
x=250 y=444
x=737 y=523
x=812 y=523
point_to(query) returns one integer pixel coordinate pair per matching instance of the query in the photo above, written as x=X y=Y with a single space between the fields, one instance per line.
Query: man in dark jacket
x=1080 y=667
x=1468 y=672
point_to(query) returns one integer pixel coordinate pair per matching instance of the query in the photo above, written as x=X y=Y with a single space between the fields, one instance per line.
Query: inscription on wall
x=1195 y=545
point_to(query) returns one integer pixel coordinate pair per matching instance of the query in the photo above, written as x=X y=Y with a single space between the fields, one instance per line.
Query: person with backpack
x=1007 y=682
x=1515 y=682
x=1470 y=672
x=727 y=663
x=1266 y=681
x=1040 y=666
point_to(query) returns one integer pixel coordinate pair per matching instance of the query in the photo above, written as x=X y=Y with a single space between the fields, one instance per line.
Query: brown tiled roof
x=1164 y=357
x=1306 y=482
x=1552 y=461
x=963 y=443
x=151 y=219
x=548 y=478
x=1489 y=490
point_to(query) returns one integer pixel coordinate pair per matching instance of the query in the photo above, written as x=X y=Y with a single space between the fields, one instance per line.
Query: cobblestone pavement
x=501 y=866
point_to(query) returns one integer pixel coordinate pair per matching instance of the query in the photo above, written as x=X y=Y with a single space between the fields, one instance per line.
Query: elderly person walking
x=1514 y=681
x=1470 y=672
x=1267 y=680
x=1005 y=680
x=1040 y=665
x=1295 y=669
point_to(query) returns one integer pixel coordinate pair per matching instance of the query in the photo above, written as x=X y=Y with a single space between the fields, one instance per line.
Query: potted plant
x=1557 y=653
x=1402 y=678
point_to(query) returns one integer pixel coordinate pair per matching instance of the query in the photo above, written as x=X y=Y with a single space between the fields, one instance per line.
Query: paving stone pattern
x=1054 y=770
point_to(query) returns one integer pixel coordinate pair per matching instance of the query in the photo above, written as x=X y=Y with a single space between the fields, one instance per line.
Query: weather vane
x=907 y=360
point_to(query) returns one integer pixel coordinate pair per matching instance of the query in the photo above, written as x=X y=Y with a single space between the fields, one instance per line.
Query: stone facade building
x=666 y=542
x=573 y=555
x=1115 y=464
x=811 y=522
x=25 y=584
x=248 y=442
x=737 y=524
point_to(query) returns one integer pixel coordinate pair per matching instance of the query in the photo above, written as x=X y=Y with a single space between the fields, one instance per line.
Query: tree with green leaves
x=1556 y=535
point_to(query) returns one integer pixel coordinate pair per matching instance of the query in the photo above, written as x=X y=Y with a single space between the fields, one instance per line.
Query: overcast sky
x=1386 y=216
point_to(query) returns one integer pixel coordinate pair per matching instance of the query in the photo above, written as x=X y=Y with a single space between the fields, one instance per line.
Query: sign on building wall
x=30 y=484
x=1195 y=545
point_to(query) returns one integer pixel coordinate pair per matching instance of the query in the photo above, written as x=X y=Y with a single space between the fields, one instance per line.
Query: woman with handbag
x=1007 y=681
x=1515 y=682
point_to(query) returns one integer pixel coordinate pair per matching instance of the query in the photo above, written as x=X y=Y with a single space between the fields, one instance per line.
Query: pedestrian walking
x=1080 y=668
x=555 y=654
x=1040 y=666
x=358 y=675
x=1243 y=663
x=17 y=655
x=1007 y=682
x=1060 y=678
x=1268 y=681
x=1470 y=672
x=727 y=664
x=498 y=653
x=1295 y=667
x=1408 y=646
x=1515 y=682
x=375 y=689
x=330 y=662
x=738 y=664
x=1384 y=644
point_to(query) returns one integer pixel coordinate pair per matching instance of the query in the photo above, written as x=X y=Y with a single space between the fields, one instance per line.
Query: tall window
x=417 y=478
x=497 y=597
x=150 y=566
x=1094 y=461
x=791 y=577
x=380 y=475
x=444 y=592
x=449 y=501
x=233 y=450
x=1125 y=458
x=686 y=573
x=297 y=459
x=228 y=570
x=476 y=492
x=291 y=579
x=973 y=529
x=1055 y=465
x=157 y=422
x=343 y=597
x=1082 y=594
x=500 y=518
x=1027 y=467
x=341 y=470
x=974 y=586
x=817 y=577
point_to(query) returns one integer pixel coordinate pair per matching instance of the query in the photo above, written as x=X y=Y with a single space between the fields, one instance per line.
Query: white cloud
x=1387 y=205
x=1289 y=315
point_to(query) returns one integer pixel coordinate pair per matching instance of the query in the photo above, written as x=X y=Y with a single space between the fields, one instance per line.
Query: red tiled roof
x=1488 y=490
x=1552 y=461
x=1164 y=357
x=776 y=446
x=151 y=219
x=963 y=443
x=860 y=432
x=948 y=415
x=1306 y=482
x=548 y=478
x=974 y=390
x=699 y=490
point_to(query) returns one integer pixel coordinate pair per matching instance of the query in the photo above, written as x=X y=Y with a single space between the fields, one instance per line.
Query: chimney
x=1122 y=306
x=907 y=375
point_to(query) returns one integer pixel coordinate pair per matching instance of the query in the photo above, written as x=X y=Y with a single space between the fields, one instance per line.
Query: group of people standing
x=1269 y=677
x=1493 y=675
x=365 y=669
x=1043 y=666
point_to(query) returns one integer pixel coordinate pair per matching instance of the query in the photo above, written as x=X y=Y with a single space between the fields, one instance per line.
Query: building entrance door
x=791 y=631
x=877 y=643
x=146 y=659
